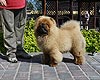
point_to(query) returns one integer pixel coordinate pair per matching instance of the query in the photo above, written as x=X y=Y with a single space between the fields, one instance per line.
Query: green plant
x=30 y=44
x=92 y=38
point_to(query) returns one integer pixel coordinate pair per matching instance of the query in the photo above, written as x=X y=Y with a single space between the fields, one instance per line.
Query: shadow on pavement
x=68 y=60
x=37 y=58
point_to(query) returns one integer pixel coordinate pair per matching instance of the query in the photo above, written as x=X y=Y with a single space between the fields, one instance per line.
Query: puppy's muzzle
x=42 y=29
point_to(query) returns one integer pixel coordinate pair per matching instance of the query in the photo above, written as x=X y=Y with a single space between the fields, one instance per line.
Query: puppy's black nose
x=42 y=29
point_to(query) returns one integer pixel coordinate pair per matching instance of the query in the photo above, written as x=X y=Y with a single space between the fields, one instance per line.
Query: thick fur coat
x=53 y=41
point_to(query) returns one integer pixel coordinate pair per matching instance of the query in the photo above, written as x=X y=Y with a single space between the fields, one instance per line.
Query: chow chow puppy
x=53 y=41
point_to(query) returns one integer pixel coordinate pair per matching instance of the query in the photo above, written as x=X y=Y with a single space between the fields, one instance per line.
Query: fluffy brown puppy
x=53 y=41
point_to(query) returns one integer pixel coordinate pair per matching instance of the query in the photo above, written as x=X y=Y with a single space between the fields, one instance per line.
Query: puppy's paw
x=79 y=60
x=53 y=64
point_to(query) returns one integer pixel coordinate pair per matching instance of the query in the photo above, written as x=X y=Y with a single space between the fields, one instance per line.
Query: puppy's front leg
x=55 y=57
x=53 y=62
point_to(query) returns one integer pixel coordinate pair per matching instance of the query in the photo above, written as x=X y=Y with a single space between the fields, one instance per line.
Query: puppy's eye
x=47 y=24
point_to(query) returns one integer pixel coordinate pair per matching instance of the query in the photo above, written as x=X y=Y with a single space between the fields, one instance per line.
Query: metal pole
x=95 y=15
x=57 y=13
x=44 y=7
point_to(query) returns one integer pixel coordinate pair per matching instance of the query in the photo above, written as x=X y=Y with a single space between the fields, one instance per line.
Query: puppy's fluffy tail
x=72 y=24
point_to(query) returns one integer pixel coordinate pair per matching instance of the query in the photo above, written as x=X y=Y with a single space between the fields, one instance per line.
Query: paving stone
x=86 y=68
x=50 y=78
x=5 y=64
x=92 y=74
x=97 y=56
x=46 y=68
x=12 y=66
x=1 y=73
x=68 y=55
x=77 y=73
x=94 y=78
x=64 y=76
x=81 y=78
x=84 y=65
x=33 y=69
x=98 y=71
x=36 y=76
x=1 y=67
x=21 y=79
x=9 y=75
x=36 y=68
x=9 y=78
x=61 y=68
x=22 y=75
x=92 y=61
x=49 y=72
x=74 y=68
x=70 y=64
x=63 y=72
x=24 y=67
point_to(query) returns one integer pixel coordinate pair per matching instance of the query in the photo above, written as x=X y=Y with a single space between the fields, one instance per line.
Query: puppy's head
x=43 y=25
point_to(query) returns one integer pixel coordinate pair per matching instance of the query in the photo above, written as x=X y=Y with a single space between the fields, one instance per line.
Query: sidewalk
x=33 y=69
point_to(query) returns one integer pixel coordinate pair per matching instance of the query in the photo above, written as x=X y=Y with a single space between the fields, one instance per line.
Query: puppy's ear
x=37 y=19
x=36 y=22
x=52 y=20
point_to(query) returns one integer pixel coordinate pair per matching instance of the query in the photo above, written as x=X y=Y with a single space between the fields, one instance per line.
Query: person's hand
x=3 y=2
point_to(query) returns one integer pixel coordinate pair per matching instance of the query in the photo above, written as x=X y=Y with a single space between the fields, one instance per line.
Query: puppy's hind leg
x=78 y=51
x=79 y=58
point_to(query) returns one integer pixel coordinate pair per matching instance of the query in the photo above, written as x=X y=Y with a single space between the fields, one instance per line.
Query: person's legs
x=9 y=34
x=20 y=20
